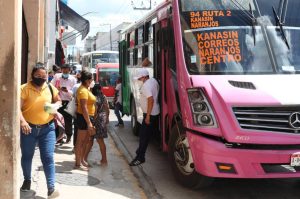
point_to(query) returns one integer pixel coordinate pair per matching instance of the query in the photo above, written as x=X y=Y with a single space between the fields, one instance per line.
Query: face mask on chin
x=38 y=81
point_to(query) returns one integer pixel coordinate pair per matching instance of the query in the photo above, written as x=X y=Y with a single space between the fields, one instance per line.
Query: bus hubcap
x=183 y=156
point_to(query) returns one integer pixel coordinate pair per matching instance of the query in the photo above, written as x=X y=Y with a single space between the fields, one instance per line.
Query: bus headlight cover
x=201 y=109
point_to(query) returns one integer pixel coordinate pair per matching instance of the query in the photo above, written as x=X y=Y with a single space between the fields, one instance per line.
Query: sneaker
x=53 y=193
x=68 y=140
x=136 y=162
x=26 y=185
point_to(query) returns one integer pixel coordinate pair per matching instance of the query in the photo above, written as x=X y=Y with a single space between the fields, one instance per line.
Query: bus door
x=125 y=77
x=162 y=61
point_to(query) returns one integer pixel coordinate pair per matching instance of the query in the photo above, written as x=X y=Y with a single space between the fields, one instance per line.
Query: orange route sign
x=206 y=18
x=219 y=46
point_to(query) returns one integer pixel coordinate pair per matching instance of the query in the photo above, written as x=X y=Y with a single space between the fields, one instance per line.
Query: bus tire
x=182 y=162
x=134 y=122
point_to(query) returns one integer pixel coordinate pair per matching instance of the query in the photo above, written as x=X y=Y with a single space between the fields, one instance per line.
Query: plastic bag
x=51 y=108
x=71 y=107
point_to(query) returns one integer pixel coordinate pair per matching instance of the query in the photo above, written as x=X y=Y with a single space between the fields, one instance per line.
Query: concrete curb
x=145 y=181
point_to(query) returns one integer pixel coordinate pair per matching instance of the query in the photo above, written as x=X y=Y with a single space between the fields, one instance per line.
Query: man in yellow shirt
x=39 y=102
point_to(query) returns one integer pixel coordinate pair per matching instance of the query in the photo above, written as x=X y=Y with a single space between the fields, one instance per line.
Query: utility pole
x=110 y=37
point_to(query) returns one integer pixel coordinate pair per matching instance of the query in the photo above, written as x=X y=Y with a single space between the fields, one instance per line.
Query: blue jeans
x=45 y=137
x=118 y=109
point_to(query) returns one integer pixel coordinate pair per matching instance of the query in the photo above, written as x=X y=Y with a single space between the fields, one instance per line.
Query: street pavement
x=153 y=179
x=114 y=181
x=157 y=172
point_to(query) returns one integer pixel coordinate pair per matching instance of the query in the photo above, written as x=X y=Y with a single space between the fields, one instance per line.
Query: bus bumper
x=209 y=154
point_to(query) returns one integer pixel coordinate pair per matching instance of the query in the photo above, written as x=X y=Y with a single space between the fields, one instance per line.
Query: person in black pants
x=118 y=102
x=65 y=82
x=149 y=104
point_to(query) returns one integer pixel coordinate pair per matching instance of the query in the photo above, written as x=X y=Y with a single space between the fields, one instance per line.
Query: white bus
x=91 y=59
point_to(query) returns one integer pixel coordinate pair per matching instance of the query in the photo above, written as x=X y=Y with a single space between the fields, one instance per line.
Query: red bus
x=107 y=75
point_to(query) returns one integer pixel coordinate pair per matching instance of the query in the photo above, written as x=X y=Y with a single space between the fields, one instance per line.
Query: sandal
x=85 y=164
x=80 y=167
x=103 y=163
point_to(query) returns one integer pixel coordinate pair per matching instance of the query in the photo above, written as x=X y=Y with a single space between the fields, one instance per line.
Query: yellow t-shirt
x=34 y=101
x=84 y=93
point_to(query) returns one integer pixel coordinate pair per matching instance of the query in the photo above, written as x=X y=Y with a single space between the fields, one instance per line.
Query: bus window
x=132 y=39
x=220 y=38
x=108 y=76
x=140 y=35
x=139 y=55
x=131 y=58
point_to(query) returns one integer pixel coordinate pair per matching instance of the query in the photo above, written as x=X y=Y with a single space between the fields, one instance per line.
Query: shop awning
x=74 y=20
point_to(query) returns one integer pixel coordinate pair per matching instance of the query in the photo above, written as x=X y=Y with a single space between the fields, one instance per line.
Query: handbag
x=71 y=107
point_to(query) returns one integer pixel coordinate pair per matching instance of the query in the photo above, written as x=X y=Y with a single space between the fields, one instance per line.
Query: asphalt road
x=156 y=176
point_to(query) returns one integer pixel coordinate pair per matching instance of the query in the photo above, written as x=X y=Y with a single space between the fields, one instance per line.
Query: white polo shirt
x=69 y=83
x=150 y=88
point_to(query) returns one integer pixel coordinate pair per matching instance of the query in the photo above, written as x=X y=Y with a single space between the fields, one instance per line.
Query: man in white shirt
x=65 y=82
x=150 y=107
x=118 y=102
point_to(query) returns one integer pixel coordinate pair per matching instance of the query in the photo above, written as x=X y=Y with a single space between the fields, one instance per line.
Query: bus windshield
x=241 y=36
x=104 y=58
x=108 y=76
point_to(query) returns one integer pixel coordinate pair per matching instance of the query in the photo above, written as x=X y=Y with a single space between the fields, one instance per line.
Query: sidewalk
x=115 y=181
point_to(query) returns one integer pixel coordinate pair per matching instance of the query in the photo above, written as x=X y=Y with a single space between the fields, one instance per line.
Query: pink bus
x=228 y=71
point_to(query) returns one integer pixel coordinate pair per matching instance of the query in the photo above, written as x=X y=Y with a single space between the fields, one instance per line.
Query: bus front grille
x=284 y=119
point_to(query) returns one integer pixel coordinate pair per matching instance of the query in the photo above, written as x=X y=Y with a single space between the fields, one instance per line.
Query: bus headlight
x=201 y=109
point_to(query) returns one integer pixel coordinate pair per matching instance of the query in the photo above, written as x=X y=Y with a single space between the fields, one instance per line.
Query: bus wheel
x=182 y=161
x=134 y=122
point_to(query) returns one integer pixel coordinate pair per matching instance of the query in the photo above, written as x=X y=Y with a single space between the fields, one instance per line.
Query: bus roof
x=107 y=65
x=100 y=51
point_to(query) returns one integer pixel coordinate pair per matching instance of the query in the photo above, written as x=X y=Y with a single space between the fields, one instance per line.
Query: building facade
x=110 y=40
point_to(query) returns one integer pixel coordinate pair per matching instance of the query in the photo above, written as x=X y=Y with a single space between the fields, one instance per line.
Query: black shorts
x=81 y=123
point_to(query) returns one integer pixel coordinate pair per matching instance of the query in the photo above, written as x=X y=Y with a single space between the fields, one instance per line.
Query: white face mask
x=92 y=84
x=139 y=83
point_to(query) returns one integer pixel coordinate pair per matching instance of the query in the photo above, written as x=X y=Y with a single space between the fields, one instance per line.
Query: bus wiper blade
x=242 y=8
x=249 y=14
x=280 y=24
x=254 y=22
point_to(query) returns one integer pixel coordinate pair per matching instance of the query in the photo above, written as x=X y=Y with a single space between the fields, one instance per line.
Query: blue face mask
x=50 y=78
x=65 y=76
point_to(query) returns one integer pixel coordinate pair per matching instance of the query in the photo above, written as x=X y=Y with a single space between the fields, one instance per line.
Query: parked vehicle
x=107 y=75
x=91 y=59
